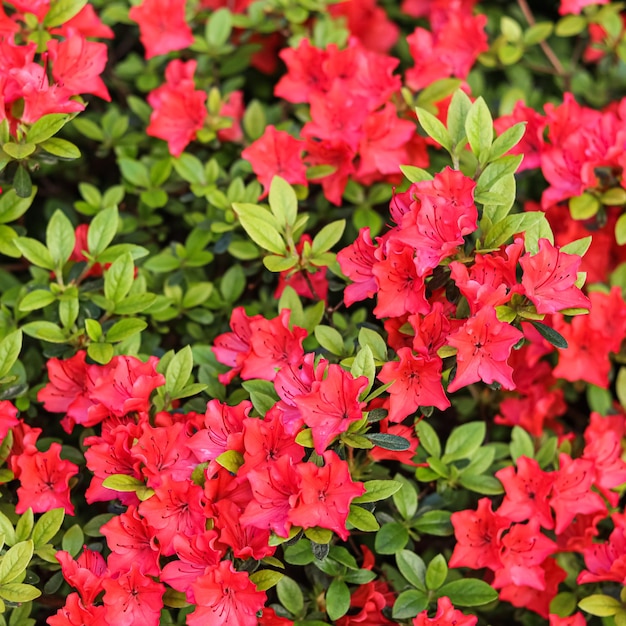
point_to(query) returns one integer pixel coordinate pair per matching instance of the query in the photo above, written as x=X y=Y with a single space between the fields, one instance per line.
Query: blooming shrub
x=312 y=312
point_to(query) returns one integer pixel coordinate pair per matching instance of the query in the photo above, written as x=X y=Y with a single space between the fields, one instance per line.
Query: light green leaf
x=434 y=128
x=479 y=129
x=15 y=561
x=330 y=339
x=362 y=519
x=118 y=279
x=47 y=526
x=290 y=595
x=10 y=348
x=124 y=329
x=502 y=231
x=376 y=490
x=35 y=252
x=12 y=207
x=283 y=201
x=102 y=230
x=436 y=572
x=337 y=599
x=328 y=237
x=260 y=225
x=412 y=567
x=18 y=592
x=60 y=238
x=463 y=441
x=46 y=126
x=62 y=11
x=46 y=331
x=60 y=148
x=468 y=592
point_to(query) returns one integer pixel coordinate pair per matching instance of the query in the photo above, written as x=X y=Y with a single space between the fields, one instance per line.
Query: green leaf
x=479 y=129
x=283 y=201
x=60 y=238
x=15 y=561
x=551 y=335
x=60 y=148
x=190 y=168
x=600 y=605
x=35 y=252
x=620 y=230
x=584 y=207
x=497 y=170
x=428 y=438
x=463 y=441
x=501 y=232
x=538 y=32
x=521 y=444
x=46 y=126
x=330 y=339
x=375 y=342
x=290 y=595
x=570 y=26
x=12 y=206
x=260 y=226
x=540 y=230
x=434 y=128
x=102 y=230
x=409 y=603
x=22 y=182
x=178 y=371
x=122 y=482
x=376 y=490
x=390 y=538
x=218 y=28
x=415 y=174
x=265 y=579
x=47 y=526
x=328 y=237
x=62 y=11
x=19 y=151
x=37 y=299
x=412 y=567
x=93 y=526
x=504 y=142
x=337 y=599
x=18 y=592
x=46 y=331
x=363 y=365
x=389 y=442
x=275 y=263
x=405 y=499
x=134 y=172
x=124 y=329
x=460 y=105
x=118 y=279
x=578 y=247
x=10 y=348
x=362 y=519
x=486 y=485
x=254 y=120
x=468 y=592
x=230 y=460
x=434 y=523
x=73 y=540
x=100 y=352
x=436 y=572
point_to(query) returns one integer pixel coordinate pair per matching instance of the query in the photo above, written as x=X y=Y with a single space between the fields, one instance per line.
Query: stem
x=545 y=46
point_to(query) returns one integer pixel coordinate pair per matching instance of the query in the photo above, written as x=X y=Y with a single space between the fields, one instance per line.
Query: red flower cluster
x=180 y=458
x=76 y=63
x=354 y=127
x=567 y=501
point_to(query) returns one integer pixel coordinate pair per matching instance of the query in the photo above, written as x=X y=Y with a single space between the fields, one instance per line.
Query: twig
x=545 y=46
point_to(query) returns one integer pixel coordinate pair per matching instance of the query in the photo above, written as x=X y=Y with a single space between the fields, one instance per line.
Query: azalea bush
x=312 y=313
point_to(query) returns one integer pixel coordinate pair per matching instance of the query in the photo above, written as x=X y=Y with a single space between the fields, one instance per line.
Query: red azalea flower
x=276 y=153
x=446 y=615
x=179 y=111
x=225 y=597
x=332 y=405
x=162 y=26
x=133 y=598
x=44 y=481
x=484 y=345
x=478 y=537
x=549 y=278
x=85 y=574
x=325 y=495
x=416 y=382
x=75 y=613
